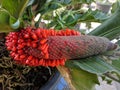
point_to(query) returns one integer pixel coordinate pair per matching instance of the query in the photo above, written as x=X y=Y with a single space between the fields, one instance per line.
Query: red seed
x=30 y=57
x=42 y=54
x=43 y=41
x=44 y=33
x=28 y=44
x=68 y=32
x=36 y=62
x=9 y=44
x=20 y=51
x=14 y=41
x=45 y=50
x=44 y=46
x=49 y=62
x=39 y=47
x=26 y=36
x=9 y=48
x=53 y=33
x=33 y=62
x=14 y=49
x=16 y=57
x=46 y=56
x=12 y=54
x=53 y=63
x=22 y=56
x=41 y=62
x=38 y=32
x=34 y=36
x=57 y=62
x=34 y=45
x=62 y=62
x=20 y=46
x=59 y=33
x=28 y=29
x=27 y=61
x=20 y=40
x=23 y=44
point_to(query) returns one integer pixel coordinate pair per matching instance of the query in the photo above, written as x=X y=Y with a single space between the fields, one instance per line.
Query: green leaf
x=4 y=21
x=69 y=18
x=5 y=28
x=109 y=28
x=4 y=17
x=55 y=4
x=112 y=34
x=118 y=42
x=14 y=23
x=94 y=65
x=51 y=6
x=10 y=13
x=115 y=6
x=81 y=79
x=67 y=1
x=96 y=16
x=83 y=1
x=116 y=64
x=15 y=7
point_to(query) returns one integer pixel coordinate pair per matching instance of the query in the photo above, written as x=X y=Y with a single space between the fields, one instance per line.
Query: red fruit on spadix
x=22 y=56
x=26 y=36
x=34 y=36
x=37 y=47
x=32 y=44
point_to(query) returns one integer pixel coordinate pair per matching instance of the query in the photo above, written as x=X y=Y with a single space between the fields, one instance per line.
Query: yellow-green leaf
x=15 y=7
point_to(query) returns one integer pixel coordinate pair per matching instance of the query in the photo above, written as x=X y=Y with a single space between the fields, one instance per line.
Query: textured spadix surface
x=37 y=47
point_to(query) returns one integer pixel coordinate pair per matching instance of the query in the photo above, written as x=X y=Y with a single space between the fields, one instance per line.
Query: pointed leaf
x=110 y=28
x=94 y=65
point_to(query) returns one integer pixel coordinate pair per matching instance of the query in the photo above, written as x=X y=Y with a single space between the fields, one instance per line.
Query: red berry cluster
x=30 y=46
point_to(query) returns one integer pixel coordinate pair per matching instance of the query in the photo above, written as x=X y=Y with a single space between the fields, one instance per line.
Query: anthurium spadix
x=41 y=47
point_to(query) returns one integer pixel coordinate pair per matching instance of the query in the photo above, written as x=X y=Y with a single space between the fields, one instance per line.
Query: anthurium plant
x=52 y=41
